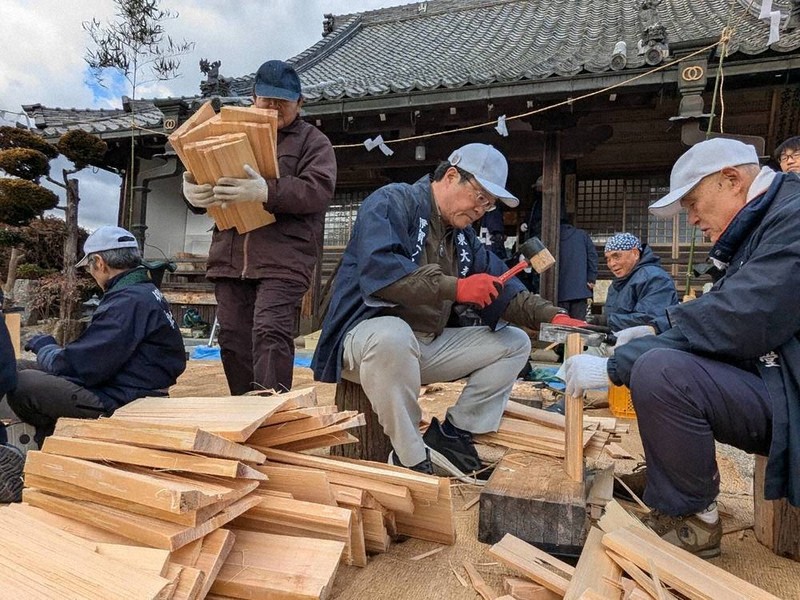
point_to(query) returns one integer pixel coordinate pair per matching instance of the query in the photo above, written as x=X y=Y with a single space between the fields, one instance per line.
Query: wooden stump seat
x=374 y=444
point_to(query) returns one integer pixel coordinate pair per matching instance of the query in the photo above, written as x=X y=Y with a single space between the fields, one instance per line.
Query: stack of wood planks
x=170 y=473
x=541 y=432
x=621 y=560
x=212 y=145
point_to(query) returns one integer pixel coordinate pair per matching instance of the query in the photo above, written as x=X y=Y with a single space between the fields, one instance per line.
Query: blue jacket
x=8 y=362
x=642 y=296
x=577 y=264
x=388 y=243
x=750 y=319
x=132 y=347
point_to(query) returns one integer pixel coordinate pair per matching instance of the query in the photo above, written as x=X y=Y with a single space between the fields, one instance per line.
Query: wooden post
x=776 y=522
x=573 y=461
x=551 y=210
x=374 y=444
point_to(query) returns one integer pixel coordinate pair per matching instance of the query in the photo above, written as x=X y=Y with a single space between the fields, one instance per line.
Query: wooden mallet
x=537 y=257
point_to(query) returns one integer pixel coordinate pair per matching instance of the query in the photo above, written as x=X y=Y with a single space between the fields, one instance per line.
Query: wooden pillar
x=776 y=522
x=374 y=444
x=573 y=444
x=551 y=210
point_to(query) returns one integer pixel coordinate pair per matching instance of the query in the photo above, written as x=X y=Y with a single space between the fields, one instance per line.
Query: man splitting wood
x=132 y=347
x=260 y=277
x=728 y=367
x=398 y=314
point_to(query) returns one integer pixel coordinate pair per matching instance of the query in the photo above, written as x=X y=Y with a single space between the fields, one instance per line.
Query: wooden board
x=777 y=523
x=96 y=450
x=282 y=433
x=303 y=484
x=207 y=554
x=431 y=520
x=692 y=576
x=47 y=563
x=531 y=497
x=328 y=440
x=183 y=438
x=595 y=571
x=528 y=560
x=148 y=531
x=14 y=324
x=264 y=565
x=234 y=417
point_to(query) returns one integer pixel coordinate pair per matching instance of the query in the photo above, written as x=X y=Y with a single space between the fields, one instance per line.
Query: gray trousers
x=390 y=363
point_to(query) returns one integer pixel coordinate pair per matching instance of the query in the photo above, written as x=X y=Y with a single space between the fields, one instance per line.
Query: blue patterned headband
x=623 y=241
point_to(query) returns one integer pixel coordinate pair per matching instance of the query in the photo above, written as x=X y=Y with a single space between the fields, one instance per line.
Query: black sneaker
x=455 y=452
x=422 y=467
x=12 y=462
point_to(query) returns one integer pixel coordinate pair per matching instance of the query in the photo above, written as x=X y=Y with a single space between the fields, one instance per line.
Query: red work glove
x=480 y=289
x=565 y=319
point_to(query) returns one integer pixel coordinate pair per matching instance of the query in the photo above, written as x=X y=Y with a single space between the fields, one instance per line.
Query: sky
x=43 y=45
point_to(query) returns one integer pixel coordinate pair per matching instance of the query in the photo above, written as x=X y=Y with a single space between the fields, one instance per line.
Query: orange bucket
x=620 y=403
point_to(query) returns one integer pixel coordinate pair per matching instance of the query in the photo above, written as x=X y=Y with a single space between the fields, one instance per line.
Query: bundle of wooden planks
x=212 y=145
x=541 y=432
x=621 y=560
x=169 y=473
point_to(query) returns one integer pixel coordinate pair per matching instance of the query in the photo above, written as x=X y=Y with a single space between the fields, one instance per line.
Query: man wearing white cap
x=728 y=368
x=131 y=348
x=391 y=326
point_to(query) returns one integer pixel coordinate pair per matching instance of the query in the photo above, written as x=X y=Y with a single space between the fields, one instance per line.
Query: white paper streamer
x=501 y=126
x=766 y=9
x=774 y=25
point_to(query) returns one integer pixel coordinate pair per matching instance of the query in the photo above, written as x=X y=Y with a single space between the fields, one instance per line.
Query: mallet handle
x=517 y=268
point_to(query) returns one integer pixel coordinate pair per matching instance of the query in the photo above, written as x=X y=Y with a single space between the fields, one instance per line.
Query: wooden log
x=375 y=444
x=531 y=497
x=777 y=523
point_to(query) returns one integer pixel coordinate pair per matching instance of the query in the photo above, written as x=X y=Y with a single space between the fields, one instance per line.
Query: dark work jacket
x=299 y=198
x=577 y=264
x=750 y=319
x=388 y=243
x=642 y=296
x=8 y=362
x=131 y=348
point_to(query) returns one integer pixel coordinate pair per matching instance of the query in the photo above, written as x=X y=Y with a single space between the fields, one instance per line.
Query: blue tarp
x=301 y=359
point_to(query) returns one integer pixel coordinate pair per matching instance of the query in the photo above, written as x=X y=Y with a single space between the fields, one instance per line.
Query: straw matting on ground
x=395 y=576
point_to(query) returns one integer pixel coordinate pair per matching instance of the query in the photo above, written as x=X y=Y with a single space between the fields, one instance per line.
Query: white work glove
x=585 y=372
x=631 y=333
x=232 y=189
x=199 y=195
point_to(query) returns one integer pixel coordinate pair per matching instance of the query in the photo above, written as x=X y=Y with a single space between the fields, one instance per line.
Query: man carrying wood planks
x=132 y=347
x=261 y=276
x=398 y=315
x=728 y=367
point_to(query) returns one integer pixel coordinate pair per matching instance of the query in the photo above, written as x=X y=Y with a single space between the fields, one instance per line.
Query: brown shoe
x=688 y=532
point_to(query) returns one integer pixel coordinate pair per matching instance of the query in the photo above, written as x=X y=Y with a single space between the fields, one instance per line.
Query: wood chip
x=427 y=554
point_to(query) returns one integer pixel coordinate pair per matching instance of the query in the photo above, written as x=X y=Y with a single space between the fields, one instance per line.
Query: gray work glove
x=232 y=189
x=585 y=372
x=631 y=333
x=198 y=195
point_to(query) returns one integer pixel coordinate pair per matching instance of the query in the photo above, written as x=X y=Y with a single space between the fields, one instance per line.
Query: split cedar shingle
x=157 y=435
x=95 y=450
x=303 y=484
x=264 y=565
x=328 y=440
x=232 y=417
x=207 y=554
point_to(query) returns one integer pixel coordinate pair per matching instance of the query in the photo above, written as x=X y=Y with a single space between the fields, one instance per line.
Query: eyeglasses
x=484 y=201
x=786 y=157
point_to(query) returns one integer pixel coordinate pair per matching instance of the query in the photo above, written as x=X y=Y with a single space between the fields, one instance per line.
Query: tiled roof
x=454 y=43
x=52 y=123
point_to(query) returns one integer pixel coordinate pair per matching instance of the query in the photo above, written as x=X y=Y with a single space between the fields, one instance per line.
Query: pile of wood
x=621 y=560
x=168 y=474
x=541 y=432
x=212 y=145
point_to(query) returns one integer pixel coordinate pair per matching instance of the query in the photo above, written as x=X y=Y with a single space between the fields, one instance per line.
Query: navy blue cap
x=277 y=79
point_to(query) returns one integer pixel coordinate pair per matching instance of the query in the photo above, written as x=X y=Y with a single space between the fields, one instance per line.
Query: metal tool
x=592 y=335
x=537 y=257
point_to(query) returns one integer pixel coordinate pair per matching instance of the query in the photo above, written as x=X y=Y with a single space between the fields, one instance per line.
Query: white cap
x=488 y=167
x=107 y=238
x=698 y=162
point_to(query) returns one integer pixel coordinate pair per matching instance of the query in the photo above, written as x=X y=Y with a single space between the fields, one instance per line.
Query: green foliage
x=11 y=236
x=21 y=201
x=47 y=298
x=135 y=41
x=32 y=271
x=82 y=148
x=25 y=163
x=15 y=137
